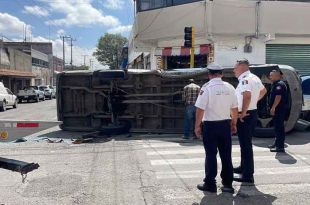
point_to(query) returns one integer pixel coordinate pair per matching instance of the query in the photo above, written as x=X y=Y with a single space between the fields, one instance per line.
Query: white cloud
x=36 y=10
x=12 y=26
x=120 y=29
x=79 y=13
x=77 y=53
x=60 y=32
x=113 y=4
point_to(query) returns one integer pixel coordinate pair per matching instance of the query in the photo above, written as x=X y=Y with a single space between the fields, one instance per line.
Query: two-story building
x=15 y=68
x=42 y=59
x=261 y=31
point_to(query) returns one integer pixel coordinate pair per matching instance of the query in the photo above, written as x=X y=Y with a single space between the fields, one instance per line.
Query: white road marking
x=198 y=150
x=158 y=162
x=161 y=144
x=259 y=171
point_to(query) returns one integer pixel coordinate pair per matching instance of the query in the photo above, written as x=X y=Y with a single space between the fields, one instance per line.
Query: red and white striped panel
x=26 y=124
x=183 y=51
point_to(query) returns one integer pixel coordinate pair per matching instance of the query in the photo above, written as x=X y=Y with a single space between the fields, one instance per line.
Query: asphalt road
x=147 y=170
x=44 y=110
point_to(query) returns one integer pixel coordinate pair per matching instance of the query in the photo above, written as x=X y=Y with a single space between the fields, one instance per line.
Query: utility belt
x=250 y=111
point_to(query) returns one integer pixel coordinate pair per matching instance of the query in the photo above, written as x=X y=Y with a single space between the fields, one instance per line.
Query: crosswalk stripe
x=259 y=171
x=198 y=150
x=161 y=144
x=158 y=162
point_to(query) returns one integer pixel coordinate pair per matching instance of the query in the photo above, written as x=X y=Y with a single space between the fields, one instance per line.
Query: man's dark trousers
x=278 y=121
x=217 y=135
x=245 y=133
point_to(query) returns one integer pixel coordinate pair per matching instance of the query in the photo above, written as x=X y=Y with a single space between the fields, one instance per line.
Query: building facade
x=15 y=68
x=42 y=59
x=261 y=31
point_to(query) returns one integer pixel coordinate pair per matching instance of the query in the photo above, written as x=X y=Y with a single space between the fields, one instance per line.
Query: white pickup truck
x=7 y=98
x=31 y=93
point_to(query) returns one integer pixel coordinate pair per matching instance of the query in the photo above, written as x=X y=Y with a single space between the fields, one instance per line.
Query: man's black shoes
x=228 y=189
x=240 y=178
x=206 y=187
x=276 y=149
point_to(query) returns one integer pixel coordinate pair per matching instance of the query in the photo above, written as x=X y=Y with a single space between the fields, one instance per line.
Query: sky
x=85 y=20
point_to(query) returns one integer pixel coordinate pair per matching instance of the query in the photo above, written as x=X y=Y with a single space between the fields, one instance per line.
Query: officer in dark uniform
x=278 y=108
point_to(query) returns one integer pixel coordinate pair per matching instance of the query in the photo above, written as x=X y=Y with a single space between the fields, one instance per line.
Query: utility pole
x=84 y=59
x=63 y=50
x=91 y=63
x=71 y=61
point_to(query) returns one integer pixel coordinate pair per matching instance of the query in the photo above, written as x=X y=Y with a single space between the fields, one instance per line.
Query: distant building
x=58 y=65
x=15 y=68
x=261 y=31
x=42 y=59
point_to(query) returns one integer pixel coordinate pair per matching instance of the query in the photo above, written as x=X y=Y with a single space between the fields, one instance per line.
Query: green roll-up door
x=297 y=56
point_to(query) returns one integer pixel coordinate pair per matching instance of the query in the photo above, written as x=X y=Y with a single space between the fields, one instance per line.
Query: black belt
x=228 y=120
x=249 y=111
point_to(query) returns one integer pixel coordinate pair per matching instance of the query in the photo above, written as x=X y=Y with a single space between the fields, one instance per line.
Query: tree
x=81 y=67
x=109 y=49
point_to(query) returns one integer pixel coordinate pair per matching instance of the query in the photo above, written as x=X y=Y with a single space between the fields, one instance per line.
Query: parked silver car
x=49 y=92
x=7 y=98
x=31 y=93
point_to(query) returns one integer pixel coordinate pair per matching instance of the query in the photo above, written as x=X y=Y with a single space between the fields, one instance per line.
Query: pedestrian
x=190 y=94
x=249 y=91
x=217 y=112
x=278 y=108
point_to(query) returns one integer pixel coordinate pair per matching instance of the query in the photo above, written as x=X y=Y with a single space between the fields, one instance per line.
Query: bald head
x=241 y=67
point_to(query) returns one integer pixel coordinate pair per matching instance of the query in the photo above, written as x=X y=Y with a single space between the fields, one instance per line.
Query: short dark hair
x=214 y=72
x=277 y=71
x=243 y=62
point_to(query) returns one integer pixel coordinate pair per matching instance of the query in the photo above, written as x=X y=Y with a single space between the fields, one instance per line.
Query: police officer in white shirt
x=249 y=91
x=217 y=112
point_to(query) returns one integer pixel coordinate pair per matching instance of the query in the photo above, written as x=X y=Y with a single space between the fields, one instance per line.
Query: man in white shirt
x=217 y=112
x=249 y=91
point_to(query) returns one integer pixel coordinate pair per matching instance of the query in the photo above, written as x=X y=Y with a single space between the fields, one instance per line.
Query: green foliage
x=109 y=49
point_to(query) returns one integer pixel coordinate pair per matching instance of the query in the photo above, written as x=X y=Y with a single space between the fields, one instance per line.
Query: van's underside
x=150 y=101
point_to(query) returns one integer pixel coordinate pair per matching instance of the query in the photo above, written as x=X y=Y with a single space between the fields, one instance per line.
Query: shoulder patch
x=245 y=82
x=201 y=92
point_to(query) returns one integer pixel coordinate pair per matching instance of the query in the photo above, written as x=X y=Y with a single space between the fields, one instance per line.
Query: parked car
x=48 y=92
x=31 y=93
x=53 y=91
x=7 y=98
x=305 y=84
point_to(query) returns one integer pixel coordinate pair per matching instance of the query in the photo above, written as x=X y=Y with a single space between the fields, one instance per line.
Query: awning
x=183 y=51
x=16 y=73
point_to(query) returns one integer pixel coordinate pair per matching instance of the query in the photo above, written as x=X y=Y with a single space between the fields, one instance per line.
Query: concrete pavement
x=148 y=169
x=43 y=110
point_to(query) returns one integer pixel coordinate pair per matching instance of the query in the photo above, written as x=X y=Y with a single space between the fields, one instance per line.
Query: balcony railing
x=145 y=5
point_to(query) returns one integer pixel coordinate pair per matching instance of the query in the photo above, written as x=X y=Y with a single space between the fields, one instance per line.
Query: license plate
x=26 y=96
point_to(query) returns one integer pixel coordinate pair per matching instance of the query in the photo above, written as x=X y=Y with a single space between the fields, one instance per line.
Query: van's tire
x=110 y=74
x=122 y=128
x=260 y=132
x=2 y=106
x=15 y=104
